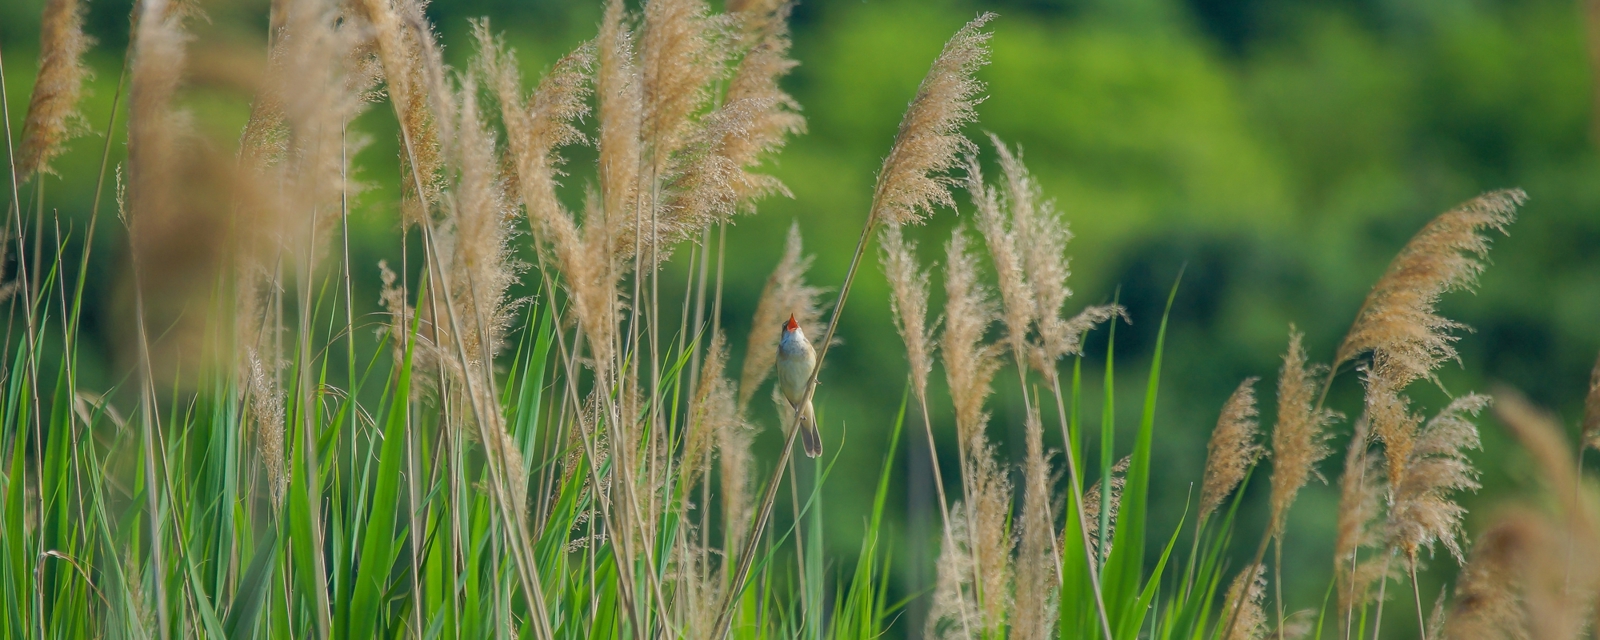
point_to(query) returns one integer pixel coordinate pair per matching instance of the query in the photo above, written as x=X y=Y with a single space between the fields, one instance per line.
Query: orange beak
x=791 y=325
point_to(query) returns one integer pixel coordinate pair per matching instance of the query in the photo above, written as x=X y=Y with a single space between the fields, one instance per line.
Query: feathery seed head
x=1246 y=594
x=1299 y=438
x=908 y=284
x=1422 y=511
x=1036 y=566
x=1000 y=234
x=970 y=364
x=1397 y=322
x=1233 y=449
x=1361 y=488
x=1488 y=602
x=53 y=107
x=909 y=183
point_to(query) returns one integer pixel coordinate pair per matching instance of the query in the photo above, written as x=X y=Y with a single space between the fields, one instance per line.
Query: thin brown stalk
x=53 y=108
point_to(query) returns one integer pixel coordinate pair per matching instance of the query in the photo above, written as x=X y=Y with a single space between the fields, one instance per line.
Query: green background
x=1279 y=152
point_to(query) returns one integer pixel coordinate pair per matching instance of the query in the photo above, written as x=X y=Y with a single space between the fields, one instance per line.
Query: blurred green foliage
x=1280 y=151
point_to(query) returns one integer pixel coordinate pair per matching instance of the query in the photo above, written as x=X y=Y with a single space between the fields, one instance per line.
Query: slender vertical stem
x=1075 y=480
x=1416 y=592
x=944 y=502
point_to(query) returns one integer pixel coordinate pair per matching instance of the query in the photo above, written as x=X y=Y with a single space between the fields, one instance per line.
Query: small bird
x=796 y=358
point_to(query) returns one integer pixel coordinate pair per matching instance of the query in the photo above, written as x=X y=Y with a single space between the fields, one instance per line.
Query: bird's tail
x=809 y=435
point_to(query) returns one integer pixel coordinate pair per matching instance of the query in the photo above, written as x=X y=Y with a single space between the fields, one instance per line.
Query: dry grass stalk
x=1299 y=438
x=1246 y=593
x=267 y=411
x=908 y=284
x=1037 y=578
x=1361 y=490
x=1421 y=511
x=909 y=185
x=1397 y=322
x=1488 y=600
x=53 y=108
x=1233 y=449
x=786 y=293
x=1000 y=234
x=734 y=463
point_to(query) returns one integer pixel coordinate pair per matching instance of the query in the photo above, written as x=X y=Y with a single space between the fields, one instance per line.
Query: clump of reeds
x=53 y=107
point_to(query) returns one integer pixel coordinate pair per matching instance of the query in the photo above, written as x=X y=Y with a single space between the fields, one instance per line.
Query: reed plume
x=786 y=293
x=1421 y=511
x=764 y=29
x=1299 y=439
x=620 y=106
x=1397 y=322
x=970 y=364
x=682 y=50
x=409 y=89
x=1037 y=577
x=1488 y=599
x=999 y=232
x=475 y=242
x=909 y=186
x=1245 y=595
x=908 y=284
x=1233 y=449
x=53 y=107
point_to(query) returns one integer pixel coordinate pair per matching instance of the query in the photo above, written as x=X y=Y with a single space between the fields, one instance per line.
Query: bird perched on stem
x=796 y=358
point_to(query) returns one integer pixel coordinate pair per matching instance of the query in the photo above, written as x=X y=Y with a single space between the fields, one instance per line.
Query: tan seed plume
x=1397 y=322
x=409 y=90
x=682 y=50
x=1421 y=510
x=765 y=26
x=621 y=111
x=476 y=238
x=909 y=183
x=1299 y=438
x=949 y=616
x=1000 y=234
x=53 y=108
x=908 y=285
x=1233 y=449
x=786 y=293
x=970 y=364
